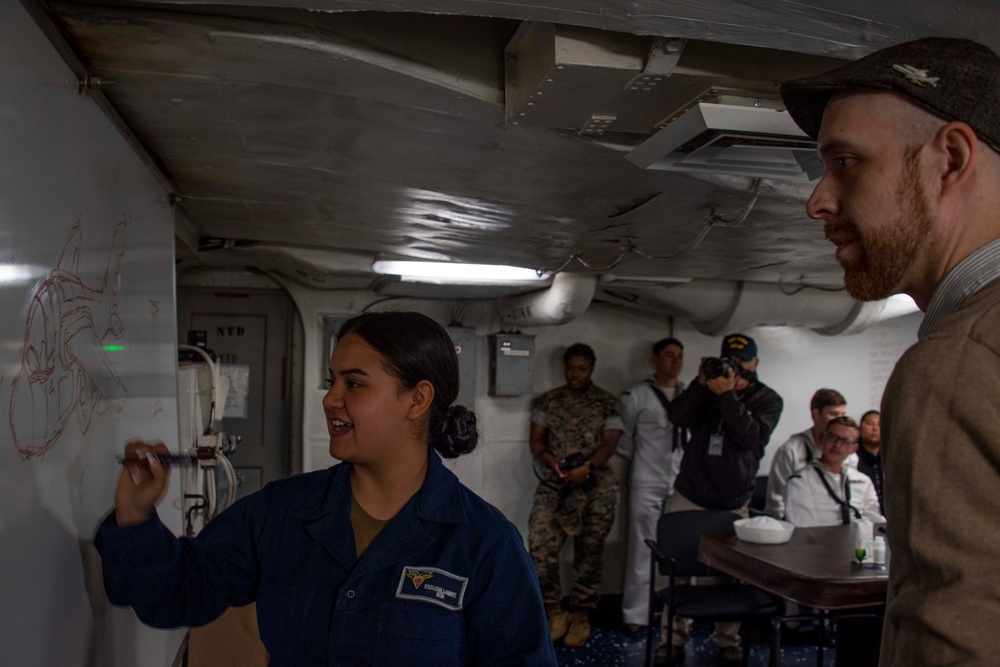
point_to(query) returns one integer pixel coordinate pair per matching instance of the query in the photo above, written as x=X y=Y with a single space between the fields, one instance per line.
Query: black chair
x=675 y=552
x=758 y=501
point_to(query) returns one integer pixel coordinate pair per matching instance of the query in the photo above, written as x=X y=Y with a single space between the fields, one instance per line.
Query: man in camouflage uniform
x=574 y=497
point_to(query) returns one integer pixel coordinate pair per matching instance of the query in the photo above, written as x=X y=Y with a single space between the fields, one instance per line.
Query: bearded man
x=911 y=198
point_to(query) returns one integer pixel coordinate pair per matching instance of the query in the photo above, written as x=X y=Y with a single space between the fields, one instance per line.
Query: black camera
x=714 y=367
x=575 y=460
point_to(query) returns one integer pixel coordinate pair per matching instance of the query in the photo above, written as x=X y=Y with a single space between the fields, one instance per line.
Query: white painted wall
x=794 y=362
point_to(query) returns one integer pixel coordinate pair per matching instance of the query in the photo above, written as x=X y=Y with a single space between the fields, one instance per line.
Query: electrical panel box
x=512 y=362
x=465 y=347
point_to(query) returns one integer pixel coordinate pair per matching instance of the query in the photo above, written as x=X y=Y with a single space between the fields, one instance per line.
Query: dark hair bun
x=456 y=433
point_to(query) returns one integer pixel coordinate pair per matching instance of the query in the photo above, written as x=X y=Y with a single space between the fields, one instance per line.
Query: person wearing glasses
x=801 y=448
x=828 y=491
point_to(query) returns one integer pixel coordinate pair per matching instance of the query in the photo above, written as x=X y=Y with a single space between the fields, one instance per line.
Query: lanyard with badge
x=715 y=441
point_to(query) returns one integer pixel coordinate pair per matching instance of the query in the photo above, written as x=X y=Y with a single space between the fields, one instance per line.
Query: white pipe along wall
x=716 y=307
x=566 y=299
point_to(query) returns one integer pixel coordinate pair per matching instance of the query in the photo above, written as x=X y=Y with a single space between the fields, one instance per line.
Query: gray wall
x=87 y=342
x=795 y=362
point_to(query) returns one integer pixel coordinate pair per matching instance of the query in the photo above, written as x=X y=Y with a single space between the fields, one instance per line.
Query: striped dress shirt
x=968 y=277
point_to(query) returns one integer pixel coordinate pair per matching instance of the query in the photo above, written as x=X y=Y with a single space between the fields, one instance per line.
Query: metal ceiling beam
x=91 y=85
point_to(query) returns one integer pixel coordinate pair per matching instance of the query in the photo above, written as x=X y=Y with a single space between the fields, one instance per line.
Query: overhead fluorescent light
x=456 y=273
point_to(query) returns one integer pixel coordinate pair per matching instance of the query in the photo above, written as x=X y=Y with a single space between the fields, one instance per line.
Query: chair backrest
x=678 y=533
x=758 y=501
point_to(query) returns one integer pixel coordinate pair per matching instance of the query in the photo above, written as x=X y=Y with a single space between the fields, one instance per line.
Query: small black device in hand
x=714 y=367
x=575 y=460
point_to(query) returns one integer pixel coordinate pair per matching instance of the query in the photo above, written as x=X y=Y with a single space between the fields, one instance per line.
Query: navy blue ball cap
x=740 y=346
x=954 y=79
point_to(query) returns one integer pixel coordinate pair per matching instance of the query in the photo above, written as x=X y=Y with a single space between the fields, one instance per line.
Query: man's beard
x=887 y=251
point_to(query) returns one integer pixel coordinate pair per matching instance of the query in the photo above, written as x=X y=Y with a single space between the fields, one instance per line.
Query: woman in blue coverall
x=384 y=559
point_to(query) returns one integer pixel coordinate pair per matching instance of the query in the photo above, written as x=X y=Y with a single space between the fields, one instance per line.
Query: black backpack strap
x=681 y=435
x=664 y=401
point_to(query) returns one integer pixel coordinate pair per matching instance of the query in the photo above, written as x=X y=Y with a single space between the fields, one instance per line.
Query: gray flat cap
x=954 y=79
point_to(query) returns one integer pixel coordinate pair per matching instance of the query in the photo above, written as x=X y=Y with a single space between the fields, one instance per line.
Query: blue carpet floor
x=609 y=647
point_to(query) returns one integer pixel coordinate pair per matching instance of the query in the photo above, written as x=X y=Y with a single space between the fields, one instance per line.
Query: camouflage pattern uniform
x=575 y=421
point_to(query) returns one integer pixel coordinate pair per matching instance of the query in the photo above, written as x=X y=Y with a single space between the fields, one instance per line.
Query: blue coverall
x=446 y=582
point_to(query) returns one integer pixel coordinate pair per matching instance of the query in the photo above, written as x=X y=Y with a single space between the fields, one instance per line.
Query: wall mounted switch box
x=512 y=362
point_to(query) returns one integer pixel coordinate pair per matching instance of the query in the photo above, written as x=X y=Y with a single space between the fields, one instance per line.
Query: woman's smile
x=339 y=427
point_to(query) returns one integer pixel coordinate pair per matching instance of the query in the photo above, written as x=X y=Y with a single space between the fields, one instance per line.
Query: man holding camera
x=574 y=432
x=730 y=415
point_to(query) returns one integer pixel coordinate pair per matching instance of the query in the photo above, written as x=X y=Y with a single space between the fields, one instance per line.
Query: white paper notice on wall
x=238 y=396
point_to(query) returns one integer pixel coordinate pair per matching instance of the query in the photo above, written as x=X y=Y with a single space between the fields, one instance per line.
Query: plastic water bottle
x=879 y=550
x=861 y=537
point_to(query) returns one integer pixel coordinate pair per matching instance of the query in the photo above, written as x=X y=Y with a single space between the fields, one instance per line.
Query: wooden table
x=814 y=568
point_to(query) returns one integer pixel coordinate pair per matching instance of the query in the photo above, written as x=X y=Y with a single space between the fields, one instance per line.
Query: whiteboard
x=87 y=356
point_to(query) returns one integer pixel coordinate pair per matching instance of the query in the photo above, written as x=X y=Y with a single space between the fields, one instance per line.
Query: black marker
x=164 y=459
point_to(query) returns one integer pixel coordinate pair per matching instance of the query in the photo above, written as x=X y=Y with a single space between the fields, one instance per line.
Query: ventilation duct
x=716 y=307
x=742 y=139
x=566 y=299
x=695 y=106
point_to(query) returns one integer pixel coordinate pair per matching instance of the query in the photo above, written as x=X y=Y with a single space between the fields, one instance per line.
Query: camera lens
x=713 y=368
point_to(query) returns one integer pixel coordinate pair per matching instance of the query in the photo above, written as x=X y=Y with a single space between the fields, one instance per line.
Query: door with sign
x=252 y=333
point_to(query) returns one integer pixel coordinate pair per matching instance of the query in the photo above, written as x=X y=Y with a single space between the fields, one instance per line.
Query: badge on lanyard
x=715 y=444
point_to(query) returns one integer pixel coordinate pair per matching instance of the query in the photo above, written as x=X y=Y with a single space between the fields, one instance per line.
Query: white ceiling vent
x=732 y=139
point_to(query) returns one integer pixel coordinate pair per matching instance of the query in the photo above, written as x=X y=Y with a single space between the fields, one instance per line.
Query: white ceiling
x=309 y=138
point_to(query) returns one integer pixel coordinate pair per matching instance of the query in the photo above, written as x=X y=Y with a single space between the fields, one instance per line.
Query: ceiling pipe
x=769 y=304
x=717 y=307
x=566 y=299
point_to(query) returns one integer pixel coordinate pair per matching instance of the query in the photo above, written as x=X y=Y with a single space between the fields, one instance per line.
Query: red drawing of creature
x=65 y=367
